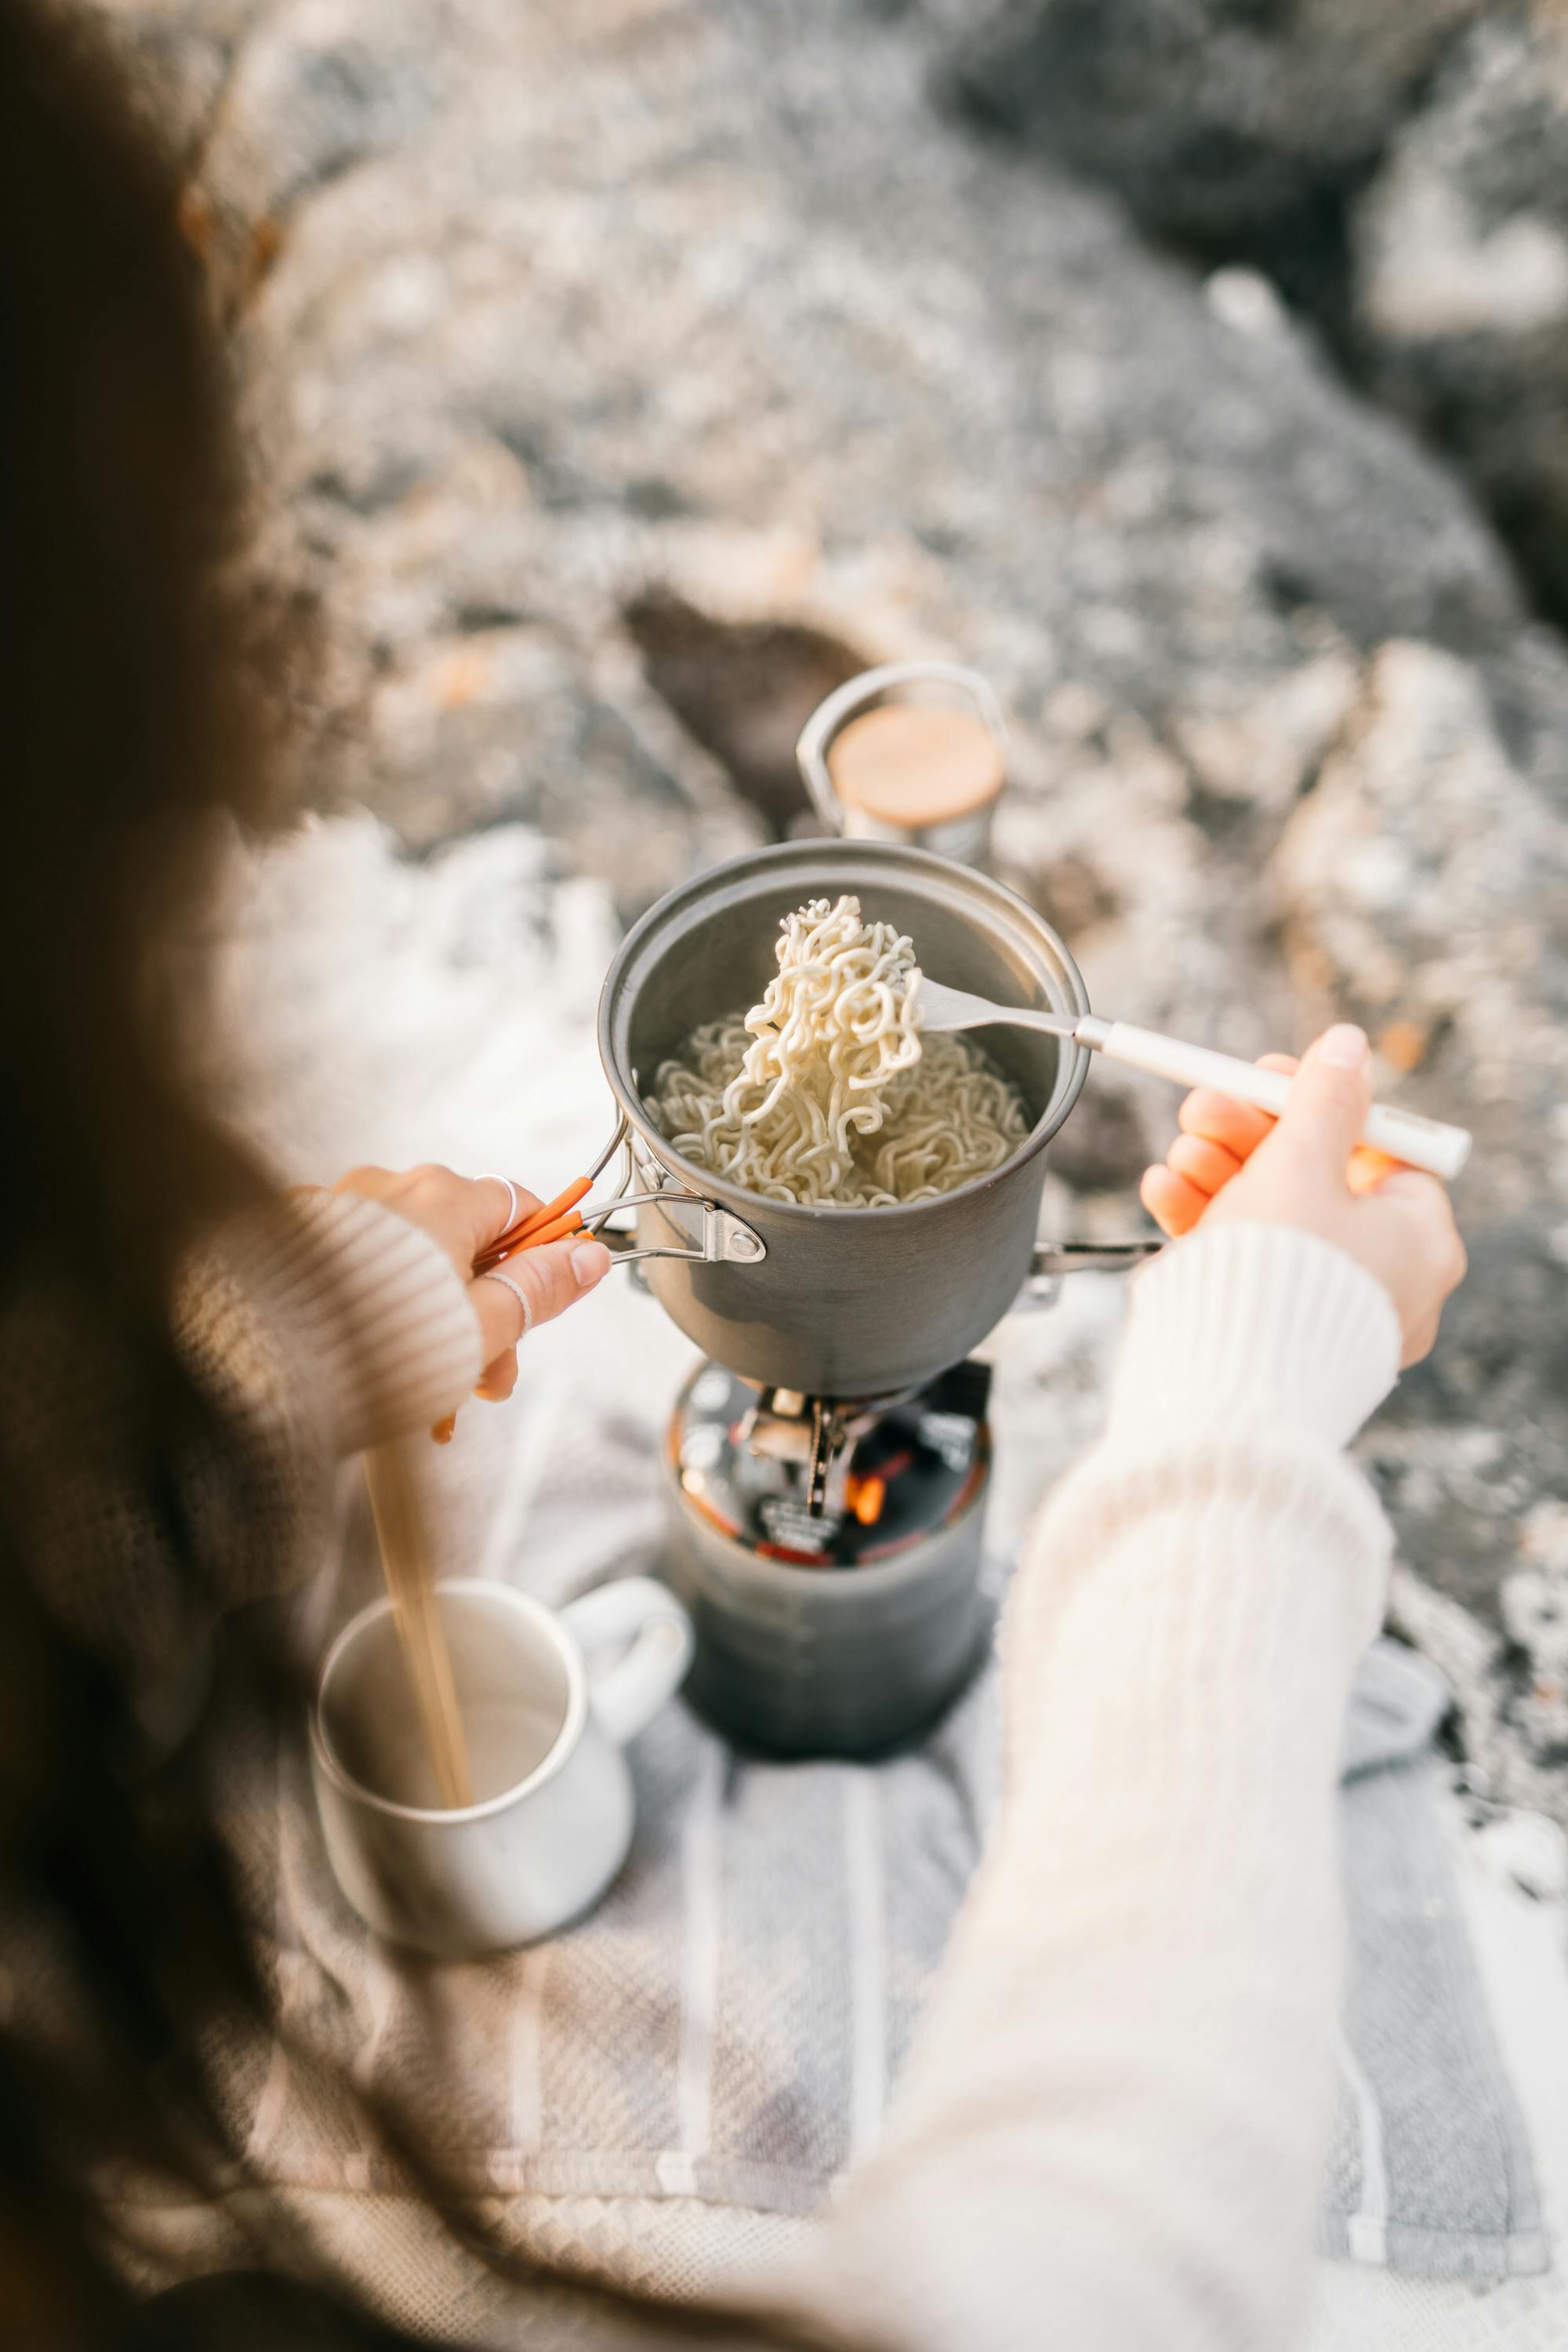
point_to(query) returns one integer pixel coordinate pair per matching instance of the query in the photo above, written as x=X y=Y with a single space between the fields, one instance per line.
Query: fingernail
x=589 y=1261
x=1343 y=1046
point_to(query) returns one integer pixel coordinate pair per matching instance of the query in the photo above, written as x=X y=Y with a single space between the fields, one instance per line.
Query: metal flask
x=840 y=1302
x=913 y=752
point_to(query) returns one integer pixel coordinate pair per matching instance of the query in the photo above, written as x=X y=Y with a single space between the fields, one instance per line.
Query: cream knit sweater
x=319 y=1325
x=1109 y=2136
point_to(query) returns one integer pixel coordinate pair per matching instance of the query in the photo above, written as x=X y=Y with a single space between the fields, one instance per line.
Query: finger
x=501 y=1314
x=555 y=1276
x=1173 y=1203
x=466 y=1214
x=497 y=1380
x=1220 y=1118
x=375 y=1183
x=1224 y=1120
x=549 y=1280
x=1368 y=1169
x=1207 y=1165
x=494 y=1209
x=1326 y=1107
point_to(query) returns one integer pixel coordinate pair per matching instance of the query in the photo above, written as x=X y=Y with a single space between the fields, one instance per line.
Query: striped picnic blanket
x=680 y=2080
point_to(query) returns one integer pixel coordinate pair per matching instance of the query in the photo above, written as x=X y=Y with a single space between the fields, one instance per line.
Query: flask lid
x=915 y=765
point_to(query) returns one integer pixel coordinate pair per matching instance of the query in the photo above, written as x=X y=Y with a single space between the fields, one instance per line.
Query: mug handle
x=633 y=1609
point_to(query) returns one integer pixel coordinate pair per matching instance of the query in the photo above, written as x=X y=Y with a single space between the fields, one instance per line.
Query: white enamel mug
x=552 y=1816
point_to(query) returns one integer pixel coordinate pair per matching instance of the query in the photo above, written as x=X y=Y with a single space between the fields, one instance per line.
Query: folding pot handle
x=714 y=1234
x=709 y=1232
x=1090 y=1257
x=1051 y=1260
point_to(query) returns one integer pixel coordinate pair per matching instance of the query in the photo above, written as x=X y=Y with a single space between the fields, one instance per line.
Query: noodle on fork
x=824 y=1093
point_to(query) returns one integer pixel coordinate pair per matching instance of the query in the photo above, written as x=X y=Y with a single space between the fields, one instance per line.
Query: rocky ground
x=627 y=373
x=1399 y=173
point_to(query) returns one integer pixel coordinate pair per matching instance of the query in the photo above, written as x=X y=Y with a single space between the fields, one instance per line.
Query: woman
x=1109 y=2133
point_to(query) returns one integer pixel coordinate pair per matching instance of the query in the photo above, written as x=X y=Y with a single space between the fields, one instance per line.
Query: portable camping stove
x=824 y=1483
x=830 y=1553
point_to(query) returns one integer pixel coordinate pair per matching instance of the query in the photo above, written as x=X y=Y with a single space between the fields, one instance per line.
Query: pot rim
x=740 y=1197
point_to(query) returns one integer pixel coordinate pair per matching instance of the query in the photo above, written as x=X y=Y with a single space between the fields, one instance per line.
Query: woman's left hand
x=464 y=1215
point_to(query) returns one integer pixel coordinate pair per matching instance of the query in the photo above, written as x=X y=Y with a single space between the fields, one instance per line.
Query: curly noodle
x=824 y=1092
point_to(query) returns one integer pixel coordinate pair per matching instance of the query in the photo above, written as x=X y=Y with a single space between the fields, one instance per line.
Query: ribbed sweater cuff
x=1253 y=1325
x=373 y=1313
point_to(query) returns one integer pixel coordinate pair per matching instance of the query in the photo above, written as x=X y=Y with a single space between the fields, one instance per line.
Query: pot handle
x=712 y=1232
x=1051 y=1260
x=715 y=1234
x=816 y=735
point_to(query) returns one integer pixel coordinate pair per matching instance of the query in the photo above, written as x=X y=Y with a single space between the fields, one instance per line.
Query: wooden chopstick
x=410 y=1579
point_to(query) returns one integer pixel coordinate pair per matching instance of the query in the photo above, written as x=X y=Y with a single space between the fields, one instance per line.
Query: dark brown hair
x=144 y=678
x=129 y=712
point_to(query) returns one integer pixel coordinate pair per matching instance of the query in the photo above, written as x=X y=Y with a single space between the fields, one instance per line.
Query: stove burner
x=822 y=1481
x=822 y=1449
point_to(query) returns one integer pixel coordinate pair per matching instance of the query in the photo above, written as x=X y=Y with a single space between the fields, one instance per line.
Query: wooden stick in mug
x=410 y=1579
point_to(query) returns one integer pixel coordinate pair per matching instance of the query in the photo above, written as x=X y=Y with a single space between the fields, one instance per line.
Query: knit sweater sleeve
x=309 y=1327
x=320 y=1325
x=1109 y=2132
x=331 y=1318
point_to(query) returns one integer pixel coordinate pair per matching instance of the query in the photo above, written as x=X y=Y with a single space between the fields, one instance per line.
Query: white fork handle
x=1403 y=1134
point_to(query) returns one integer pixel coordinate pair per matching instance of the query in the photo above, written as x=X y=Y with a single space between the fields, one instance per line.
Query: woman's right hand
x=1232 y=1163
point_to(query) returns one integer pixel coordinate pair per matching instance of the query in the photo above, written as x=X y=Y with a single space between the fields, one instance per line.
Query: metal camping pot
x=838 y=1302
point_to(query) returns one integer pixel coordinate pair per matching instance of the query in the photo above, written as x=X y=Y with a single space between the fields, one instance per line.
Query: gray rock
x=180 y=58
x=681 y=358
x=266 y=106
x=835 y=368
x=1400 y=172
x=1236 y=132
x=1460 y=291
x=1423 y=886
x=1104 y=1147
x=1423 y=883
x=743 y=689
